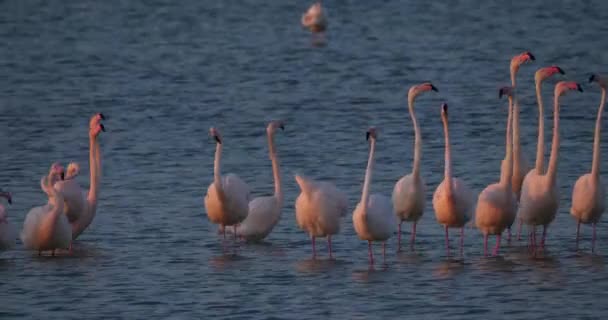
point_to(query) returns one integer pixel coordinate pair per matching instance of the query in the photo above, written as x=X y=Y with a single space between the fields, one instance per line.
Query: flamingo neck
x=368 y=175
x=417 y=140
x=595 y=166
x=552 y=169
x=217 y=176
x=540 y=146
x=276 y=173
x=448 y=156
x=95 y=173
x=505 y=176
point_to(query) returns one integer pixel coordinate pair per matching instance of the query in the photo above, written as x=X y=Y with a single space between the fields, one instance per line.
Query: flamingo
x=80 y=207
x=47 y=227
x=496 y=204
x=265 y=212
x=227 y=197
x=319 y=208
x=314 y=19
x=540 y=76
x=588 y=195
x=409 y=192
x=373 y=217
x=8 y=232
x=453 y=201
x=540 y=196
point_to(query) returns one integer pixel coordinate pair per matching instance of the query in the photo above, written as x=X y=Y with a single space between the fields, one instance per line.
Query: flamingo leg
x=447 y=241
x=413 y=238
x=542 y=240
x=461 y=240
x=497 y=244
x=485 y=244
x=235 y=232
x=578 y=231
x=314 y=247
x=399 y=236
x=519 y=227
x=593 y=239
x=329 y=246
x=371 y=254
x=384 y=251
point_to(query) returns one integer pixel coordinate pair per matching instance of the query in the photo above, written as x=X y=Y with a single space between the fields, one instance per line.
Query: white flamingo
x=319 y=208
x=8 y=232
x=227 y=199
x=453 y=201
x=541 y=75
x=265 y=212
x=373 y=217
x=588 y=195
x=314 y=18
x=409 y=192
x=540 y=196
x=496 y=204
x=80 y=207
x=47 y=227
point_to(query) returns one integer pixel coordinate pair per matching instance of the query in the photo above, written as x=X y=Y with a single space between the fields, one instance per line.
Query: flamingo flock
x=528 y=196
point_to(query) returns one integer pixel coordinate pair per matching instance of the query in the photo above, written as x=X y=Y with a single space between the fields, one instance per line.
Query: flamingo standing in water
x=80 y=207
x=540 y=76
x=373 y=217
x=8 y=232
x=453 y=201
x=409 y=192
x=588 y=195
x=265 y=212
x=496 y=204
x=540 y=196
x=227 y=199
x=314 y=19
x=47 y=227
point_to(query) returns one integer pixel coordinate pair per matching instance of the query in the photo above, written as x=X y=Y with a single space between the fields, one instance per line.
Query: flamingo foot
x=462 y=241
x=314 y=248
x=399 y=236
x=520 y=224
x=413 y=238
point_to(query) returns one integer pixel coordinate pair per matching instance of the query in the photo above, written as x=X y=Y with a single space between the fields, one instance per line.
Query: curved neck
x=513 y=74
x=95 y=172
x=516 y=148
x=417 y=140
x=595 y=166
x=276 y=173
x=448 y=156
x=552 y=169
x=368 y=175
x=217 y=176
x=540 y=145
x=55 y=210
x=507 y=172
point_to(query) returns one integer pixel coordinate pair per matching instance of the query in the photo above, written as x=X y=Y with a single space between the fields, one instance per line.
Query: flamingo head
x=444 y=110
x=95 y=125
x=57 y=171
x=7 y=195
x=274 y=125
x=215 y=134
x=599 y=79
x=544 y=73
x=415 y=90
x=520 y=59
x=371 y=134
x=506 y=91
x=72 y=170
x=563 y=86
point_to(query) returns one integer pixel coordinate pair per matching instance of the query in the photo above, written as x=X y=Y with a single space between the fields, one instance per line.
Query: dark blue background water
x=165 y=71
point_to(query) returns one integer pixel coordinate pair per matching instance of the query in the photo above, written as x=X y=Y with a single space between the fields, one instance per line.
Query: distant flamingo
x=227 y=199
x=47 y=227
x=453 y=201
x=588 y=195
x=409 y=191
x=373 y=217
x=265 y=212
x=497 y=205
x=540 y=76
x=314 y=19
x=540 y=196
x=319 y=208
x=80 y=207
x=8 y=232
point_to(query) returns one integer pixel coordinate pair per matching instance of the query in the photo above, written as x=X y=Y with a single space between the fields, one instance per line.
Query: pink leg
x=329 y=246
x=520 y=222
x=542 y=240
x=461 y=240
x=314 y=247
x=497 y=244
x=399 y=236
x=485 y=244
x=447 y=241
x=371 y=254
x=384 y=251
x=578 y=230
x=70 y=247
x=593 y=239
x=413 y=238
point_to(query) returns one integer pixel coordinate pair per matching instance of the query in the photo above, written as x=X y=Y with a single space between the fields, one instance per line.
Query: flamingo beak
x=444 y=108
x=10 y=199
x=102 y=127
x=579 y=88
x=102 y=116
x=530 y=56
x=560 y=70
x=217 y=139
x=367 y=136
x=592 y=78
x=282 y=127
x=434 y=88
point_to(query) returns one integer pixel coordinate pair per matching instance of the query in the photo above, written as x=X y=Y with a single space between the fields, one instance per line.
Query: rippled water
x=165 y=71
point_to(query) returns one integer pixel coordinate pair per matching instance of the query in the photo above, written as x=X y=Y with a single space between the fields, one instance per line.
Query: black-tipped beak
x=367 y=136
x=578 y=86
x=217 y=139
x=434 y=88
x=62 y=175
x=444 y=108
x=531 y=56
x=501 y=92
x=560 y=70
x=102 y=116
x=592 y=78
x=102 y=127
x=282 y=127
x=10 y=200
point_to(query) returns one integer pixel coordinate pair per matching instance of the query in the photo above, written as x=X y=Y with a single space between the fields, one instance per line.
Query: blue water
x=165 y=71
